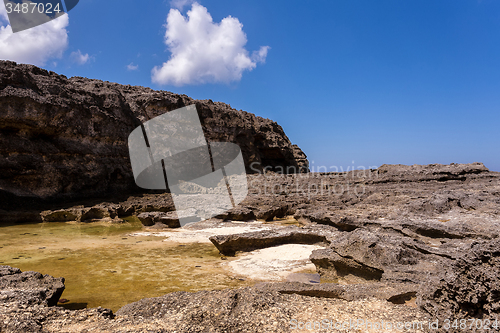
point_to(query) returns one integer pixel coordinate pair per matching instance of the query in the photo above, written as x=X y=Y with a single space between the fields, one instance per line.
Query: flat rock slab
x=307 y=278
x=230 y=244
x=397 y=293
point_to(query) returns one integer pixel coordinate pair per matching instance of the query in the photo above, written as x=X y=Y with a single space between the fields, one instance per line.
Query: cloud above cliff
x=132 y=67
x=36 y=45
x=203 y=51
x=79 y=58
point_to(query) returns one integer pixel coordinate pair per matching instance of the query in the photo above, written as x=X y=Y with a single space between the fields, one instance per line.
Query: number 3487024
x=482 y=324
x=32 y=8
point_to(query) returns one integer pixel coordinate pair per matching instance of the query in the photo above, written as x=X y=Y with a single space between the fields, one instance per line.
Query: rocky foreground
x=414 y=245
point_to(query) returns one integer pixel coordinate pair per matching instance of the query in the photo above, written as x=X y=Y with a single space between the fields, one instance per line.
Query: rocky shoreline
x=414 y=243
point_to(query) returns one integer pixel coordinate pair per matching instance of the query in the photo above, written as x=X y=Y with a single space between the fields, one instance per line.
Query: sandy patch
x=274 y=263
x=185 y=235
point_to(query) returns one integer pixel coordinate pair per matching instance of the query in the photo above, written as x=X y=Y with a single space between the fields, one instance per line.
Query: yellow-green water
x=103 y=266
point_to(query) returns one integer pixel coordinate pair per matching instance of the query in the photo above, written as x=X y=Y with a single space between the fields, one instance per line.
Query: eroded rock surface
x=29 y=287
x=469 y=287
x=168 y=219
x=422 y=247
x=230 y=244
x=264 y=308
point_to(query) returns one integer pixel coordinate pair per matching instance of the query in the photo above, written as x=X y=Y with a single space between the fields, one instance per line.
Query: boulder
x=81 y=214
x=29 y=287
x=239 y=213
x=168 y=219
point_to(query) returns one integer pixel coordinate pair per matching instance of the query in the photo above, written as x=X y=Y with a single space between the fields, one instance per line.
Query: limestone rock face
x=67 y=138
x=301 y=159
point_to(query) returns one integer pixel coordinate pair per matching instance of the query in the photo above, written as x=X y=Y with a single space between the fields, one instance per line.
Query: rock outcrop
x=403 y=243
x=467 y=288
x=67 y=138
x=168 y=219
x=230 y=244
x=29 y=288
x=28 y=299
x=264 y=308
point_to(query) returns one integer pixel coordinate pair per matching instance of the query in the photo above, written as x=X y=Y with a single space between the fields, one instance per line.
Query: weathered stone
x=80 y=214
x=467 y=288
x=385 y=255
x=331 y=265
x=230 y=244
x=323 y=216
x=62 y=215
x=431 y=172
x=397 y=293
x=269 y=212
x=301 y=159
x=29 y=287
x=307 y=278
x=169 y=219
x=238 y=214
x=261 y=310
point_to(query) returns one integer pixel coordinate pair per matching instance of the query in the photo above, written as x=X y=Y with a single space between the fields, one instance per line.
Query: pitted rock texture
x=412 y=241
x=230 y=244
x=467 y=288
x=262 y=309
x=67 y=138
x=29 y=288
x=169 y=219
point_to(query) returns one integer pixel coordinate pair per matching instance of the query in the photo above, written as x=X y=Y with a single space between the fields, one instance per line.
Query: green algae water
x=104 y=266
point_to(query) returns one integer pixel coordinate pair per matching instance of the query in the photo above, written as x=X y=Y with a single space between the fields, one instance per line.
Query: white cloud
x=79 y=58
x=36 y=45
x=260 y=56
x=203 y=51
x=132 y=67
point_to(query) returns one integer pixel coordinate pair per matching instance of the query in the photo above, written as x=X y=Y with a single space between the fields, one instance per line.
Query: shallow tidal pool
x=104 y=266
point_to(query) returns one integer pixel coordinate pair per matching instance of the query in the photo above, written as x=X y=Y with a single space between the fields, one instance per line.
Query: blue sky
x=374 y=82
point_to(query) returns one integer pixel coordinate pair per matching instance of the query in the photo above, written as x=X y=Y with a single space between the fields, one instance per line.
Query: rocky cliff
x=66 y=138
